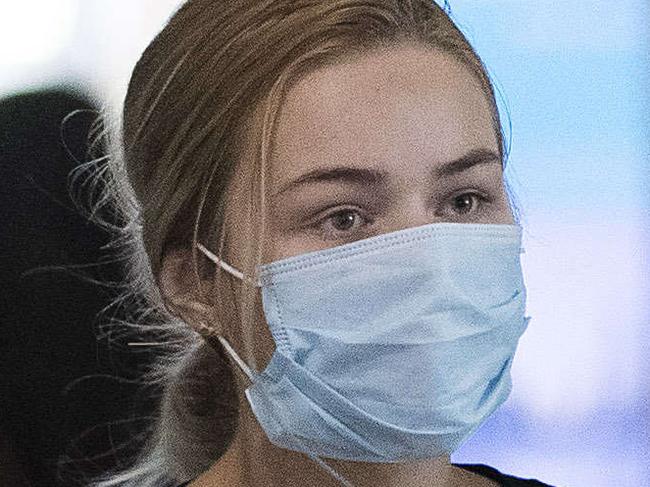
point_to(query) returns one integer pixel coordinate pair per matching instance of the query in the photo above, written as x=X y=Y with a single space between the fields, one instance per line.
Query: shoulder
x=503 y=479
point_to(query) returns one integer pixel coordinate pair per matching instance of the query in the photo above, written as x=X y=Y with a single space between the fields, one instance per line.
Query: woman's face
x=393 y=140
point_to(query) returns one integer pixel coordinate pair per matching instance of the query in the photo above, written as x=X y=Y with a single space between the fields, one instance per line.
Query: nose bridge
x=411 y=208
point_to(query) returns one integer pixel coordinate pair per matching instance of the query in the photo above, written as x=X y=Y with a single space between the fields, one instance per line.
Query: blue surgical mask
x=389 y=349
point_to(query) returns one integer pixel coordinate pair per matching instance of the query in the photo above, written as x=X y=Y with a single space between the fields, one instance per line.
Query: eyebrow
x=373 y=177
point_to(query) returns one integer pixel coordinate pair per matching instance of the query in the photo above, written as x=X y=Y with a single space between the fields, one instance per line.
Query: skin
x=406 y=114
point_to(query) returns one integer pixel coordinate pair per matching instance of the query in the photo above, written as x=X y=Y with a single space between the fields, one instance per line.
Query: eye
x=343 y=223
x=467 y=203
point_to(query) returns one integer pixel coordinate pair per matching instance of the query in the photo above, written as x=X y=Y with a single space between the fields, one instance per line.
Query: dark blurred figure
x=48 y=319
x=12 y=466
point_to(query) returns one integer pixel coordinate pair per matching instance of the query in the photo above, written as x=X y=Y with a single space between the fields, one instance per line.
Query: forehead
x=388 y=109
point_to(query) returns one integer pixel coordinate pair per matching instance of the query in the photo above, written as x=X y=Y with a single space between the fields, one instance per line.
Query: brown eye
x=465 y=203
x=343 y=221
x=343 y=225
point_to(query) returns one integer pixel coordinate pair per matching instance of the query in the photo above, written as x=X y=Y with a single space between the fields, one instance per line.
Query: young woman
x=316 y=188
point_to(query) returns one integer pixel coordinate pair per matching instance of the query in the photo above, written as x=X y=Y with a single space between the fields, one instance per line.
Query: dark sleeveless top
x=488 y=472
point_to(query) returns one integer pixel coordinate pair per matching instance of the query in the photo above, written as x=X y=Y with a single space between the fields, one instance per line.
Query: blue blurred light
x=575 y=80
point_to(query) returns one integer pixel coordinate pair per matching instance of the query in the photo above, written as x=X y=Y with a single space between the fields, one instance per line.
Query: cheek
x=506 y=214
x=285 y=241
x=508 y=218
x=290 y=245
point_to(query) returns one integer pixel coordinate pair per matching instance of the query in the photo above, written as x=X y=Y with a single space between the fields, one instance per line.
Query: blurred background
x=575 y=77
x=574 y=81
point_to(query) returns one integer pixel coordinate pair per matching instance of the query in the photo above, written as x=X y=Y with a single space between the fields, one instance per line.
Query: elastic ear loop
x=250 y=374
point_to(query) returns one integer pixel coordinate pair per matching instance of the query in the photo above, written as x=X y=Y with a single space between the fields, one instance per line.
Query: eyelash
x=480 y=200
x=318 y=225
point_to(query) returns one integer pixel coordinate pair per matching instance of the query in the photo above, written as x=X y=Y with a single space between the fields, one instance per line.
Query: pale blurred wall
x=93 y=43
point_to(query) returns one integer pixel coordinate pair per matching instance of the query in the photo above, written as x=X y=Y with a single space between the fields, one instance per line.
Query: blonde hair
x=190 y=108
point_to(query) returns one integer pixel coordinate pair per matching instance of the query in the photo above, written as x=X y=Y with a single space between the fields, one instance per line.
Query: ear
x=181 y=294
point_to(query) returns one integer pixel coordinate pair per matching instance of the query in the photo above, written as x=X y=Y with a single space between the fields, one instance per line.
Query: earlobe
x=179 y=287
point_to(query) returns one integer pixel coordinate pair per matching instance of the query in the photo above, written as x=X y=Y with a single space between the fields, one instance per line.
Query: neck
x=251 y=460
